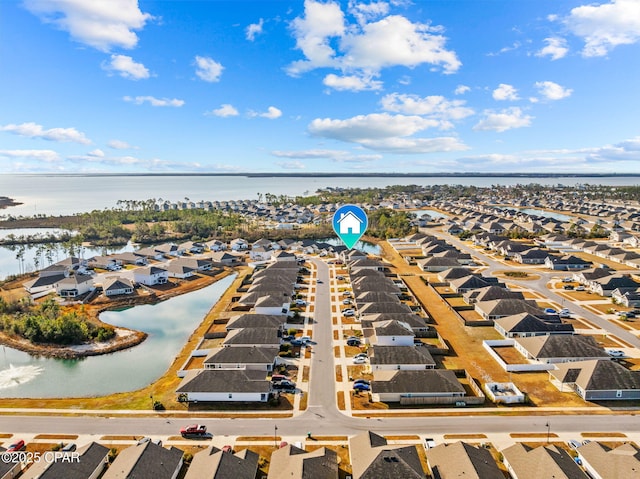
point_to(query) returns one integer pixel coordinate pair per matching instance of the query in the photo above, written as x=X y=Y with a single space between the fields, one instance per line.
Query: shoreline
x=6 y=202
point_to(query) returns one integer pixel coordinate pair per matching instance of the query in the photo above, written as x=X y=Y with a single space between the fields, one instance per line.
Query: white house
x=391 y=333
x=227 y=385
x=75 y=285
x=114 y=285
x=349 y=224
x=150 y=275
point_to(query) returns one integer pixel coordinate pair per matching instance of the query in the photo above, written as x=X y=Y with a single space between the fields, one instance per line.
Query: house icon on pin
x=349 y=221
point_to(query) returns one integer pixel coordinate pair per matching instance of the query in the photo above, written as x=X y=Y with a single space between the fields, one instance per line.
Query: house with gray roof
x=74 y=285
x=490 y=293
x=242 y=357
x=597 y=380
x=400 y=357
x=92 y=460
x=566 y=263
x=225 y=385
x=434 y=264
x=372 y=457
x=461 y=459
x=560 y=348
x=526 y=462
x=450 y=274
x=291 y=462
x=468 y=283
x=246 y=337
x=150 y=275
x=178 y=270
x=389 y=333
x=276 y=321
x=116 y=285
x=10 y=467
x=604 y=462
x=442 y=385
x=417 y=323
x=389 y=307
x=146 y=460
x=524 y=325
x=499 y=308
x=213 y=463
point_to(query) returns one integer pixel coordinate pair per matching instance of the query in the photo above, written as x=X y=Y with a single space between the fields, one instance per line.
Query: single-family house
x=273 y=304
x=179 y=271
x=499 y=308
x=104 y=262
x=531 y=256
x=276 y=321
x=242 y=357
x=526 y=462
x=560 y=348
x=597 y=380
x=116 y=285
x=372 y=457
x=169 y=249
x=441 y=385
x=468 y=283
x=216 y=245
x=460 y=459
x=607 y=285
x=224 y=385
x=224 y=258
x=74 y=285
x=193 y=247
x=566 y=263
x=130 y=258
x=146 y=459
x=490 y=293
x=280 y=255
x=400 y=357
x=91 y=460
x=260 y=253
x=605 y=462
x=524 y=325
x=42 y=284
x=291 y=462
x=624 y=297
x=247 y=337
x=213 y=463
x=434 y=264
x=239 y=244
x=389 y=307
x=150 y=275
x=197 y=264
x=389 y=333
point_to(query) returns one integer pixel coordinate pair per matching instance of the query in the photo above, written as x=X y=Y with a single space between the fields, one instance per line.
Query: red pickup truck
x=194 y=430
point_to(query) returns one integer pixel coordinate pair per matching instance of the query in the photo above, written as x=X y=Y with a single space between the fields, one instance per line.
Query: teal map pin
x=350 y=222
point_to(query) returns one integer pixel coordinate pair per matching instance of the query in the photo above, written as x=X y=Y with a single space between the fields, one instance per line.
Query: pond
x=548 y=214
x=168 y=324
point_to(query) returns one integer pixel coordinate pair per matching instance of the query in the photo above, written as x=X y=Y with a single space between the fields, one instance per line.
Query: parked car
x=567 y=279
x=346 y=301
x=568 y=286
x=628 y=314
x=340 y=278
x=348 y=312
x=297 y=342
x=193 y=430
x=301 y=302
x=429 y=443
x=580 y=288
x=284 y=385
x=347 y=294
x=359 y=360
x=68 y=447
x=615 y=353
x=227 y=448
x=16 y=446
x=361 y=381
x=585 y=442
x=305 y=339
x=361 y=387
x=550 y=311
x=353 y=342
x=573 y=444
x=279 y=377
x=361 y=355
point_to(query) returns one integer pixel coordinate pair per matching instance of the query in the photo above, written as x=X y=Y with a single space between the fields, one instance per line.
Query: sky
x=119 y=86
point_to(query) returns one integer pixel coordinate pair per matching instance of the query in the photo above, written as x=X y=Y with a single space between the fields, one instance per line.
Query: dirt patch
x=407 y=437
x=520 y=435
x=463 y=437
x=339 y=374
x=258 y=438
x=603 y=434
x=56 y=436
x=305 y=374
x=340 y=401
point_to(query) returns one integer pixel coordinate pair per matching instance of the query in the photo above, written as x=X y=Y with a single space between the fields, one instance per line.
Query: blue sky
x=316 y=86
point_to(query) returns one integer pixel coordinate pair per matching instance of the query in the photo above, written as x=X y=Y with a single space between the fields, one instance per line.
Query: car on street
x=564 y=313
x=361 y=387
x=194 y=430
x=353 y=342
x=615 y=353
x=567 y=279
x=16 y=446
x=573 y=444
x=359 y=360
x=580 y=288
x=362 y=381
x=628 y=314
x=429 y=443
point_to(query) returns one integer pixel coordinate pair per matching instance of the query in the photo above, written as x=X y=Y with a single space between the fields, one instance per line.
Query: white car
x=615 y=353
x=301 y=302
x=429 y=443
x=346 y=301
x=359 y=360
x=580 y=288
x=305 y=339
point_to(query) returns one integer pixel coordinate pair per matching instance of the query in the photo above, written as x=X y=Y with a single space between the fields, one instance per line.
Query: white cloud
x=254 y=29
x=510 y=48
x=47 y=156
x=119 y=145
x=153 y=101
x=434 y=106
x=366 y=46
x=385 y=132
x=33 y=130
x=503 y=120
x=126 y=67
x=556 y=48
x=339 y=156
x=364 y=12
x=461 y=90
x=272 y=113
x=351 y=83
x=291 y=165
x=102 y=24
x=553 y=91
x=208 y=69
x=505 y=92
x=606 y=26
x=225 y=111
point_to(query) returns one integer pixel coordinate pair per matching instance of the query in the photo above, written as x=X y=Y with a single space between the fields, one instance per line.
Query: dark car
x=284 y=385
x=353 y=342
x=361 y=387
x=361 y=381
